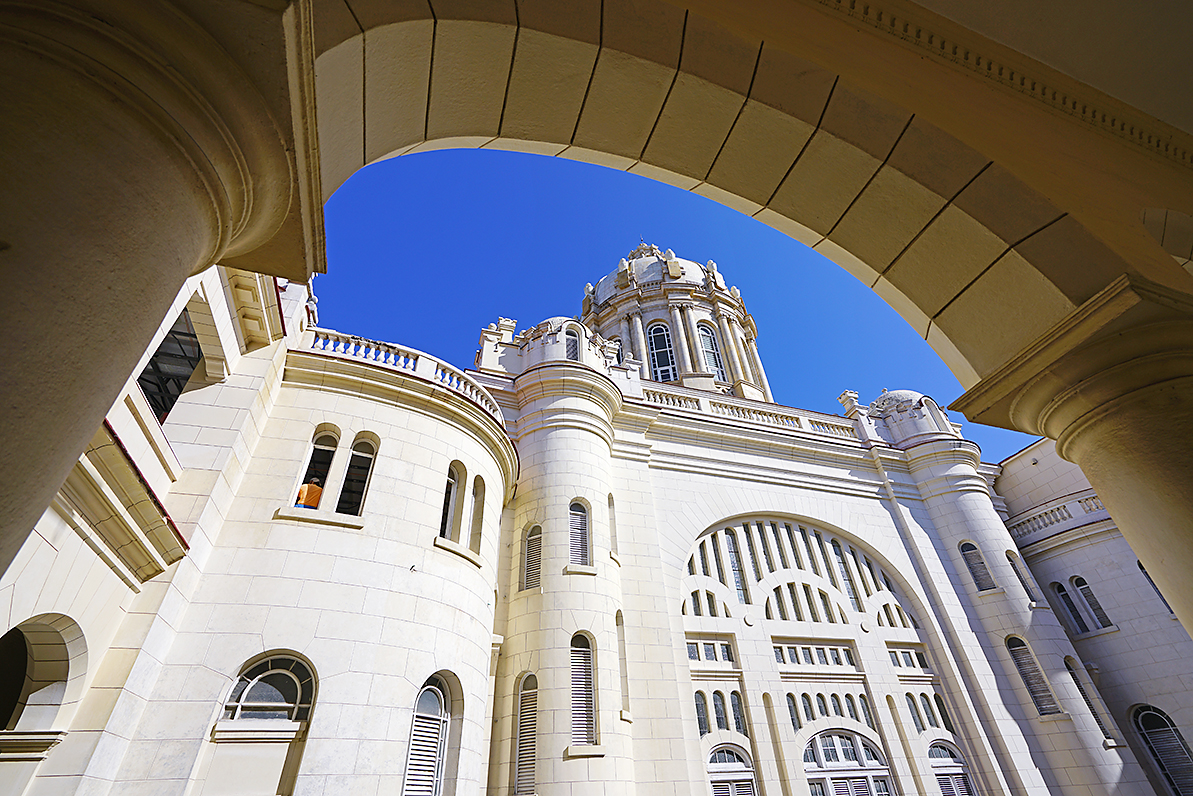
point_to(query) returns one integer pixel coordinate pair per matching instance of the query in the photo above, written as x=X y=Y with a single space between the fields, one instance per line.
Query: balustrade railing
x=747 y=410
x=1057 y=515
x=407 y=360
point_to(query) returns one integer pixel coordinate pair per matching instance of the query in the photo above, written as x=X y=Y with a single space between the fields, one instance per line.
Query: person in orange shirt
x=309 y=494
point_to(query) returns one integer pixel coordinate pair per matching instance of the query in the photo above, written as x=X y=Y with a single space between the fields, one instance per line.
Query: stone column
x=623 y=329
x=739 y=349
x=640 y=344
x=1113 y=384
x=682 y=357
x=729 y=350
x=756 y=361
x=694 y=336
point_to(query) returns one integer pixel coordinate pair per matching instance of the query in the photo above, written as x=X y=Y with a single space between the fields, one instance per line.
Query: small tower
x=678 y=322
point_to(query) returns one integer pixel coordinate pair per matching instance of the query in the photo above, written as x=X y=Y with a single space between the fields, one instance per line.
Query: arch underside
x=976 y=261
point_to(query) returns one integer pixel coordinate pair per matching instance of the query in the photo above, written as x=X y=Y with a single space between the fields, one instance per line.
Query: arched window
x=584 y=731
x=701 y=713
x=865 y=706
x=323 y=450
x=613 y=529
x=356 y=480
x=915 y=713
x=1075 y=617
x=929 y=714
x=449 y=520
x=526 y=753
x=794 y=711
x=572 y=345
x=821 y=705
x=1033 y=678
x=1155 y=588
x=1013 y=560
x=276 y=688
x=977 y=567
x=846 y=576
x=836 y=702
x=949 y=769
x=428 y=741
x=662 y=360
x=850 y=707
x=620 y=349
x=739 y=713
x=15 y=650
x=532 y=558
x=578 y=544
x=1089 y=703
x=735 y=565
x=718 y=705
x=730 y=772
x=1167 y=747
x=944 y=714
x=712 y=352
x=622 y=662
x=1091 y=600
x=845 y=764
x=478 y=514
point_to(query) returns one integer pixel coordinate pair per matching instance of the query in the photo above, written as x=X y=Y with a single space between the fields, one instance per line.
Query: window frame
x=654 y=352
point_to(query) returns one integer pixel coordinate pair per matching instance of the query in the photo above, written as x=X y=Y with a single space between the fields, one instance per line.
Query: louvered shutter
x=1092 y=601
x=859 y=787
x=840 y=787
x=1033 y=678
x=1172 y=756
x=534 y=559
x=977 y=567
x=424 y=763
x=743 y=788
x=962 y=783
x=1088 y=702
x=528 y=702
x=578 y=527
x=583 y=715
x=722 y=789
x=945 y=782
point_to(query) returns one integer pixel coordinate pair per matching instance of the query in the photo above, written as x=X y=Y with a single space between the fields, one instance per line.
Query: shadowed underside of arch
x=976 y=261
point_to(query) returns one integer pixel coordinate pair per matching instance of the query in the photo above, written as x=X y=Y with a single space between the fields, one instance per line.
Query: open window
x=453 y=498
x=356 y=480
x=314 y=480
x=170 y=368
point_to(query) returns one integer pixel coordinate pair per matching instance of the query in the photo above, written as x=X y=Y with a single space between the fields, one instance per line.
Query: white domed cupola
x=906 y=418
x=678 y=322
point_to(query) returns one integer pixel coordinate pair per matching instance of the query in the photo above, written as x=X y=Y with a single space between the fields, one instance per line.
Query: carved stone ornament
x=895 y=399
x=645 y=249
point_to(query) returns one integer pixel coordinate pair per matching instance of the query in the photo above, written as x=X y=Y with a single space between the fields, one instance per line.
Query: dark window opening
x=352 y=494
x=171 y=366
x=14 y=664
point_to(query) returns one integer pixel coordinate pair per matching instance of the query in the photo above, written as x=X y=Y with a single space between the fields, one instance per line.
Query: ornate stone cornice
x=1092 y=107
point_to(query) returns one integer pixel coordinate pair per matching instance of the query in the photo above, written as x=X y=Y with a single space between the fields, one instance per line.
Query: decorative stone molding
x=28 y=747
x=1101 y=112
x=256 y=731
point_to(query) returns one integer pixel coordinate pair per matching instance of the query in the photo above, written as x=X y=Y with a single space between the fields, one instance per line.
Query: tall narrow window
x=622 y=663
x=929 y=714
x=356 y=480
x=730 y=773
x=1012 y=559
x=315 y=478
x=865 y=706
x=583 y=692
x=1033 y=678
x=578 y=534
x=794 y=712
x=1167 y=747
x=977 y=567
x=572 y=345
x=662 y=360
x=712 y=352
x=944 y=714
x=613 y=532
x=739 y=713
x=526 y=754
x=1089 y=703
x=1075 y=616
x=1091 y=600
x=806 y=701
x=701 y=713
x=428 y=742
x=478 y=514
x=447 y=520
x=718 y=706
x=915 y=713
x=532 y=558
x=846 y=577
x=1155 y=588
x=735 y=565
x=850 y=707
x=171 y=366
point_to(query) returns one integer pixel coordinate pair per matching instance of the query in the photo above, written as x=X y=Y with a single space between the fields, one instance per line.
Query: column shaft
x=698 y=360
x=730 y=349
x=640 y=343
x=756 y=361
x=681 y=341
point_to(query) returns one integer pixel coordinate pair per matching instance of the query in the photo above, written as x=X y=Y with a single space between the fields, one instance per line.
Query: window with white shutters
x=1085 y=698
x=578 y=534
x=712 y=353
x=1033 y=678
x=583 y=693
x=532 y=558
x=428 y=741
x=954 y=785
x=1012 y=559
x=524 y=758
x=1091 y=600
x=834 y=766
x=730 y=773
x=1066 y=599
x=977 y=567
x=1167 y=747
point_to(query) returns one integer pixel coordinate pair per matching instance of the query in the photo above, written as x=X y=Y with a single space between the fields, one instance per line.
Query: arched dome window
x=572 y=345
x=1167 y=747
x=841 y=762
x=662 y=357
x=276 y=688
x=712 y=351
x=428 y=740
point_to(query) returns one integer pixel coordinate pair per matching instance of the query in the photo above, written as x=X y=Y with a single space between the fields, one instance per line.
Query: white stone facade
x=559 y=576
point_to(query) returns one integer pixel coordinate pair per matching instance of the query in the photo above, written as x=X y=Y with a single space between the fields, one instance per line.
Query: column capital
x=1132 y=336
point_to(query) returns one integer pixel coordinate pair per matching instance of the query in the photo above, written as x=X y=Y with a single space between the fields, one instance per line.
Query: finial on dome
x=589 y=289
x=712 y=266
x=623 y=264
x=669 y=254
x=733 y=291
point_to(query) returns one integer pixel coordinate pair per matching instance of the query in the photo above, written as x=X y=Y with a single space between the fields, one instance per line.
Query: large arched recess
x=978 y=262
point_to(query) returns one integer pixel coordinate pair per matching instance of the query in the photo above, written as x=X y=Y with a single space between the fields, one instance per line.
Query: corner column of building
x=756 y=361
x=681 y=340
x=133 y=151
x=640 y=344
x=1113 y=384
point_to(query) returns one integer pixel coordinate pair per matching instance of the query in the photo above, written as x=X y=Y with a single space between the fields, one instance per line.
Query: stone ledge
x=458 y=549
x=579 y=569
x=593 y=750
x=319 y=517
x=256 y=731
x=21 y=746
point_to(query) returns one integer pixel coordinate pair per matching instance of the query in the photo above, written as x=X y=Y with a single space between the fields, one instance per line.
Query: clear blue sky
x=425 y=250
